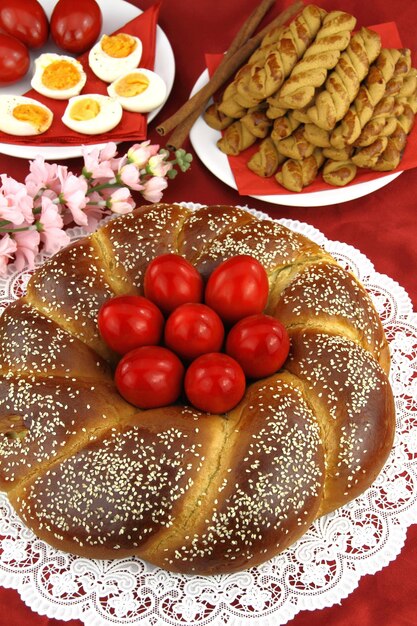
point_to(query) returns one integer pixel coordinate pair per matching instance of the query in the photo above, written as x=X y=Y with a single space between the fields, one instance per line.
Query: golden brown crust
x=262 y=79
x=284 y=126
x=271 y=63
x=321 y=295
x=383 y=122
x=71 y=287
x=57 y=415
x=339 y=173
x=29 y=341
x=215 y=118
x=353 y=402
x=296 y=174
x=342 y=85
x=370 y=93
x=296 y=146
x=236 y=138
x=266 y=159
x=310 y=72
x=189 y=492
x=257 y=122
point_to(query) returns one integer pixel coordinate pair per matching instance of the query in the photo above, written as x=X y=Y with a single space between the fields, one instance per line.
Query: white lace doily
x=323 y=567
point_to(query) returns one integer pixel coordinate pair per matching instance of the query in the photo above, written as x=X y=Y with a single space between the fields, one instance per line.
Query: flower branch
x=34 y=215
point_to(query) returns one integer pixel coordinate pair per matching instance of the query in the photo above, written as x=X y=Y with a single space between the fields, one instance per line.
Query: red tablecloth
x=382 y=225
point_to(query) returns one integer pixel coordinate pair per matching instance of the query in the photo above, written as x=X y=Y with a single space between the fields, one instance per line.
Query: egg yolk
x=32 y=113
x=131 y=85
x=118 y=46
x=86 y=109
x=60 y=75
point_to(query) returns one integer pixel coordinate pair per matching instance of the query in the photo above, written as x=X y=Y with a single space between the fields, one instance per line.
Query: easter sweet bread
x=189 y=492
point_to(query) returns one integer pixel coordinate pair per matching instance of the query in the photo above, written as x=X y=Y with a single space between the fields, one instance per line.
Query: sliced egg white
x=115 y=54
x=23 y=116
x=92 y=114
x=58 y=76
x=138 y=90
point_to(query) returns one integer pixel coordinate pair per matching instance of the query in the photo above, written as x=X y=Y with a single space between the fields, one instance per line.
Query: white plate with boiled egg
x=115 y=14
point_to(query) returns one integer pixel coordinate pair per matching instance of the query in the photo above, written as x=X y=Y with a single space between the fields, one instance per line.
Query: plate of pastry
x=204 y=141
x=316 y=120
x=115 y=15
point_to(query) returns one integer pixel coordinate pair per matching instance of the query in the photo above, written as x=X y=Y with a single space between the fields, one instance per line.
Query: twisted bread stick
x=215 y=118
x=392 y=154
x=236 y=138
x=266 y=159
x=229 y=105
x=244 y=132
x=383 y=120
x=343 y=154
x=369 y=94
x=342 y=86
x=384 y=154
x=297 y=174
x=257 y=122
x=260 y=82
x=339 y=173
x=317 y=136
x=284 y=126
x=311 y=71
x=302 y=115
x=296 y=146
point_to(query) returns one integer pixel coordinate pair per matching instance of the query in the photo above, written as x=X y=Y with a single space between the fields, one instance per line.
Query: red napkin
x=249 y=183
x=132 y=126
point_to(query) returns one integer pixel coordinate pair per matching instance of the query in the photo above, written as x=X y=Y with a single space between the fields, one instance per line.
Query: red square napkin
x=249 y=183
x=132 y=126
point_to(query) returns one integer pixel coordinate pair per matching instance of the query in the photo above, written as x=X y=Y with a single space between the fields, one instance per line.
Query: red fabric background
x=382 y=225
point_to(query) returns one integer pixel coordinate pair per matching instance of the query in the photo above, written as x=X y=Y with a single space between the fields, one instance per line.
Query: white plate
x=204 y=138
x=115 y=14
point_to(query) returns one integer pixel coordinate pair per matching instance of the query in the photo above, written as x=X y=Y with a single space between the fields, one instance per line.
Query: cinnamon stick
x=181 y=132
x=237 y=54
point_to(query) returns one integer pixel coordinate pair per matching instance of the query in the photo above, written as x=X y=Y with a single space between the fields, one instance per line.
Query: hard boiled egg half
x=114 y=55
x=58 y=76
x=92 y=114
x=23 y=116
x=139 y=90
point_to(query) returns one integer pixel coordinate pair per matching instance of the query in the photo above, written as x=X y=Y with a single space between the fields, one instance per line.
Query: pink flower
x=140 y=153
x=27 y=242
x=7 y=249
x=153 y=188
x=42 y=176
x=95 y=166
x=109 y=151
x=129 y=175
x=74 y=195
x=95 y=210
x=16 y=206
x=157 y=166
x=50 y=227
x=121 y=201
x=9 y=211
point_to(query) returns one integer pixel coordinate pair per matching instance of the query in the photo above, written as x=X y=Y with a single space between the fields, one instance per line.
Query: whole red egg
x=238 y=287
x=26 y=20
x=75 y=26
x=14 y=59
